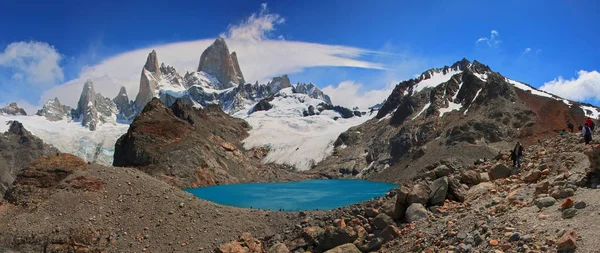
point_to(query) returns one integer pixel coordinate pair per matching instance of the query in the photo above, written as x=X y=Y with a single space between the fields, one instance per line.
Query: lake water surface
x=294 y=196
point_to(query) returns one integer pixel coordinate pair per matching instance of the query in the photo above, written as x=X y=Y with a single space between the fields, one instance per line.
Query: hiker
x=570 y=126
x=590 y=123
x=516 y=155
x=563 y=132
x=587 y=134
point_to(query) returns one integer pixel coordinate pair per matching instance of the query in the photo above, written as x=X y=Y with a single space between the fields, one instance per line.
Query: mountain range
x=465 y=102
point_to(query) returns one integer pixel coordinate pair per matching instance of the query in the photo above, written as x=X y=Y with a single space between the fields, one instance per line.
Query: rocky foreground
x=551 y=205
x=59 y=203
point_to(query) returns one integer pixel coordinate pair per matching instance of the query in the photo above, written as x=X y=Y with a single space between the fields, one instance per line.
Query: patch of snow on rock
x=436 y=79
x=295 y=140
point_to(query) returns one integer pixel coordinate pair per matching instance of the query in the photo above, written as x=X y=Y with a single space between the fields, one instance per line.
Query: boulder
x=311 y=234
x=532 y=176
x=456 y=190
x=415 y=212
x=485 y=177
x=419 y=194
x=390 y=233
x=439 y=188
x=499 y=171
x=371 y=212
x=333 y=237
x=382 y=221
x=442 y=171
x=470 y=177
x=479 y=190
x=262 y=105
x=562 y=193
x=568 y=242
x=279 y=248
x=345 y=248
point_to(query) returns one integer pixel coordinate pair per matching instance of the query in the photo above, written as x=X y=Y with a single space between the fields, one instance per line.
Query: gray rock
x=439 y=188
x=580 y=205
x=373 y=245
x=381 y=221
x=279 y=248
x=419 y=194
x=464 y=248
x=333 y=237
x=456 y=190
x=569 y=213
x=484 y=176
x=415 y=212
x=470 y=177
x=462 y=235
x=346 y=248
x=514 y=237
x=499 y=171
x=545 y=202
x=563 y=193
x=442 y=171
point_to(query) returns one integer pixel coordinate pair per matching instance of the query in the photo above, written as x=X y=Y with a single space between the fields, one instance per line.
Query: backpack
x=587 y=130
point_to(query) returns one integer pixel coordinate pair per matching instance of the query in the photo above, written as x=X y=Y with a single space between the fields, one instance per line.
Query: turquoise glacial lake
x=294 y=196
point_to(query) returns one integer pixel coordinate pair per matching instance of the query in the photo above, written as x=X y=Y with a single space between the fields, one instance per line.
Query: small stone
x=569 y=213
x=568 y=241
x=580 y=205
x=493 y=242
x=181 y=205
x=567 y=203
x=514 y=237
x=461 y=235
x=545 y=202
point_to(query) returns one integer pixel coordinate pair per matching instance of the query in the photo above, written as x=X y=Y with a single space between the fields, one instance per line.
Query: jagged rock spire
x=217 y=61
x=152 y=62
x=148 y=81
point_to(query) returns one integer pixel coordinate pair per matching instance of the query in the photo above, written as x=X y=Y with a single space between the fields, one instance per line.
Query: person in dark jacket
x=570 y=126
x=516 y=155
x=587 y=134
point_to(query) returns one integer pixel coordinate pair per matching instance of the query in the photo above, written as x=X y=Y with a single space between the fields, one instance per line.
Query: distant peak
x=152 y=62
x=88 y=84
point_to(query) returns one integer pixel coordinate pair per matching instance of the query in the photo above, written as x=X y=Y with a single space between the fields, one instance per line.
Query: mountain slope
x=191 y=147
x=18 y=147
x=465 y=111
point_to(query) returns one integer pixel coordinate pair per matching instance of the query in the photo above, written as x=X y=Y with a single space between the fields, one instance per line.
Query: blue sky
x=532 y=41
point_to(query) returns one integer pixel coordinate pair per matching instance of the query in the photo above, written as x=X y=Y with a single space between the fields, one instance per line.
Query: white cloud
x=260 y=59
x=256 y=28
x=585 y=86
x=35 y=62
x=491 y=41
x=350 y=94
x=527 y=50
